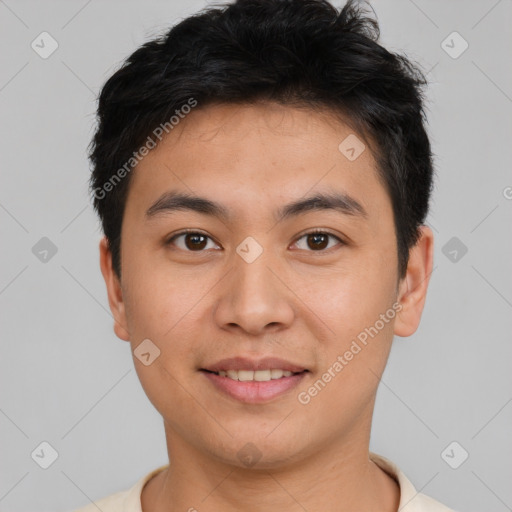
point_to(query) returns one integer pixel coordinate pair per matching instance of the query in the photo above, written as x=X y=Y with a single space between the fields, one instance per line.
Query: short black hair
x=301 y=53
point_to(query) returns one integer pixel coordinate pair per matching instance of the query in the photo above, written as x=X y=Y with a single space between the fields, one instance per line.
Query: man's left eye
x=318 y=240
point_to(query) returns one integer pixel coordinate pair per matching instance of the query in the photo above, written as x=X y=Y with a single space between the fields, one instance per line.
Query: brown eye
x=195 y=242
x=317 y=241
x=190 y=241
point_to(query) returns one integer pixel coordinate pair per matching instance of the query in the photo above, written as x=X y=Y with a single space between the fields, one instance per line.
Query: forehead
x=254 y=157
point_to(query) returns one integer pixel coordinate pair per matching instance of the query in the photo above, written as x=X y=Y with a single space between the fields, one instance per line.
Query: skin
x=295 y=301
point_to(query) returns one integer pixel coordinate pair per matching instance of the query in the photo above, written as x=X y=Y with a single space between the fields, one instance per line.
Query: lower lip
x=254 y=392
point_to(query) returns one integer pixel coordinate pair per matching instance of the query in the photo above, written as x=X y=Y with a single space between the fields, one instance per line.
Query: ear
x=413 y=287
x=115 y=294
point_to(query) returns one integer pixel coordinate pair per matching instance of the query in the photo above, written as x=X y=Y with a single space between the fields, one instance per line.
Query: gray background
x=66 y=379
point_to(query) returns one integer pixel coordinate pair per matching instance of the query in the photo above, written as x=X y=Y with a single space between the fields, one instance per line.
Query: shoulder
x=410 y=499
x=128 y=500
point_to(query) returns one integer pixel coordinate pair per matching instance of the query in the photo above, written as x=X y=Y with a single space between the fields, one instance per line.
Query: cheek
x=166 y=307
x=156 y=296
x=350 y=302
x=159 y=306
x=348 y=298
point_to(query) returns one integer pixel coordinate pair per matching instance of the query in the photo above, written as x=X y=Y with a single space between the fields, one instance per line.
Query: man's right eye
x=191 y=241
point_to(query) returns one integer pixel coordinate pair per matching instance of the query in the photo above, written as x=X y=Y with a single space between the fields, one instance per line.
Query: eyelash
x=312 y=232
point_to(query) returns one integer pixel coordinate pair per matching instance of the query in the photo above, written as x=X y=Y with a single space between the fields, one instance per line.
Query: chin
x=259 y=452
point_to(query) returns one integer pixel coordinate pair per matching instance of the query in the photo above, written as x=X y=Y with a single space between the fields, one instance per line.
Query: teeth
x=245 y=375
x=262 y=375
x=276 y=374
x=258 y=376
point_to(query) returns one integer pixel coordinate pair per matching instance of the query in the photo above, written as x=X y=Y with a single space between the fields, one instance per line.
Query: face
x=264 y=280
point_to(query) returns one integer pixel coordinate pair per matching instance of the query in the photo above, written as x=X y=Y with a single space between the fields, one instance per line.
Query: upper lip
x=242 y=363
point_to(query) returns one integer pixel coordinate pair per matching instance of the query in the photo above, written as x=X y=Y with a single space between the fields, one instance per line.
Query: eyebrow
x=173 y=201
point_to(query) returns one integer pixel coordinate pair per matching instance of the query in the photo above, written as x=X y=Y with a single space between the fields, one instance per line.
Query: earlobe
x=413 y=287
x=114 y=292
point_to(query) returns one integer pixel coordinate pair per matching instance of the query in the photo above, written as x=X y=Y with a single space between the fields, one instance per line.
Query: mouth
x=254 y=382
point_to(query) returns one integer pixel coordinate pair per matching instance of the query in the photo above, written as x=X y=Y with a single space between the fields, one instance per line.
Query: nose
x=255 y=299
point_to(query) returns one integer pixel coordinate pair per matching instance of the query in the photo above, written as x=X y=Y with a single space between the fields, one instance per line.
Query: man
x=262 y=173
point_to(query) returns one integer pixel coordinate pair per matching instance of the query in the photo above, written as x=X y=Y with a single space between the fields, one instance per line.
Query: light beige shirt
x=410 y=499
